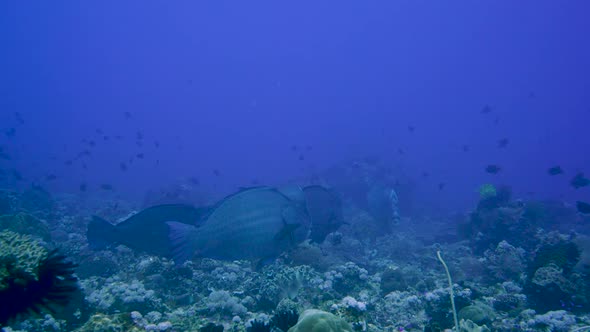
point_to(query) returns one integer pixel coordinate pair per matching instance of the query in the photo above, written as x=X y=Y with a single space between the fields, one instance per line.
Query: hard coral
x=320 y=321
x=31 y=279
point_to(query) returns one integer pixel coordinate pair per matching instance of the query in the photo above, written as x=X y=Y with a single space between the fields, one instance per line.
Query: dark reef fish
x=255 y=223
x=51 y=177
x=503 y=143
x=11 y=132
x=493 y=169
x=579 y=181
x=555 y=170
x=583 y=207
x=145 y=231
x=106 y=186
x=19 y=118
x=325 y=210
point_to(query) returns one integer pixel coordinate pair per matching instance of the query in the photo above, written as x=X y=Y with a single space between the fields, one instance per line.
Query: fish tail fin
x=179 y=235
x=100 y=234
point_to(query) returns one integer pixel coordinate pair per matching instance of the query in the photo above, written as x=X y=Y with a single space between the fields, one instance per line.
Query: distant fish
x=325 y=211
x=301 y=157
x=401 y=151
x=293 y=148
x=11 y=132
x=92 y=143
x=194 y=181
x=106 y=186
x=156 y=144
x=123 y=167
x=139 y=135
x=441 y=186
x=425 y=174
x=583 y=207
x=411 y=129
x=579 y=181
x=98 y=131
x=555 y=170
x=5 y=156
x=486 y=109
x=493 y=169
x=257 y=223
x=145 y=231
x=83 y=187
x=84 y=153
x=19 y=118
x=50 y=177
x=503 y=143
x=139 y=156
x=216 y=172
x=465 y=148
x=68 y=163
x=105 y=138
x=127 y=115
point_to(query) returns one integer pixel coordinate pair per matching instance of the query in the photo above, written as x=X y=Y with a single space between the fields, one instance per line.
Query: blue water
x=132 y=100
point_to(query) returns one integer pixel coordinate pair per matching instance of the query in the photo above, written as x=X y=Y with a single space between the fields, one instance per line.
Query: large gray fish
x=325 y=211
x=255 y=223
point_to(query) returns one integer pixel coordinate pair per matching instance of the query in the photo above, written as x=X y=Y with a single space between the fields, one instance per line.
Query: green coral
x=112 y=323
x=320 y=321
x=487 y=191
x=19 y=258
x=469 y=326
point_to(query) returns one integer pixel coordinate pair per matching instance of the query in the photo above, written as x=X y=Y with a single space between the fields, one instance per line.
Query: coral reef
x=320 y=321
x=32 y=279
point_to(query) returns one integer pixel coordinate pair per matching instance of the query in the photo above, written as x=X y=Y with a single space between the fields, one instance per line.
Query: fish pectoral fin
x=287 y=232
